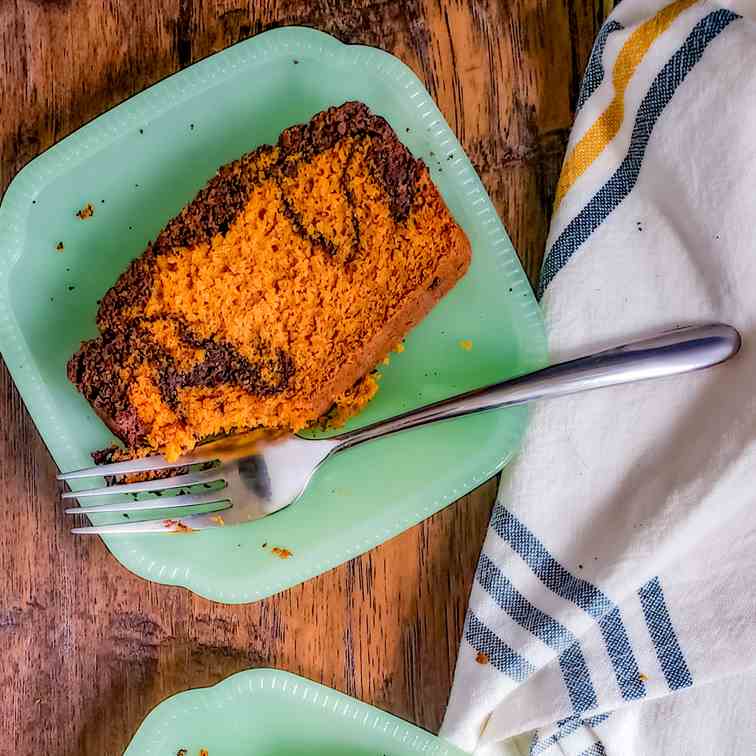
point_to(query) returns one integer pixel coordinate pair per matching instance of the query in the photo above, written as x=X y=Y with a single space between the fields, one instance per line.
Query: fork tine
x=169 y=502
x=146 y=464
x=179 y=526
x=177 y=481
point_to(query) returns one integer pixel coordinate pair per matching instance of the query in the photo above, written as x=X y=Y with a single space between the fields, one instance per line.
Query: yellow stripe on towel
x=606 y=126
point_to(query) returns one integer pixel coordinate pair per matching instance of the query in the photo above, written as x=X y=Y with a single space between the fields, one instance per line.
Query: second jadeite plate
x=138 y=164
x=252 y=713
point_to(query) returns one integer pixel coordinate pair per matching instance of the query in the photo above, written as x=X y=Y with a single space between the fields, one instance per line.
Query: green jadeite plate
x=138 y=164
x=252 y=713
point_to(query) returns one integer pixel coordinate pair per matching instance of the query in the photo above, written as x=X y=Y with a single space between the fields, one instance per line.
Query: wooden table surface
x=87 y=648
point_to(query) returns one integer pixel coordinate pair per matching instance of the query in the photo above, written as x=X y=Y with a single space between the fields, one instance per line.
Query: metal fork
x=252 y=478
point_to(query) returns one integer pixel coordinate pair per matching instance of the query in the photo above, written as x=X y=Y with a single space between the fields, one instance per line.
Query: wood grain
x=88 y=649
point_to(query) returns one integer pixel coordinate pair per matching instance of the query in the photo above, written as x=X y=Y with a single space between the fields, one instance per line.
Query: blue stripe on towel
x=594 y=72
x=663 y=636
x=597 y=749
x=577 y=679
x=565 y=727
x=621 y=653
x=615 y=190
x=595 y=720
x=499 y=654
x=582 y=593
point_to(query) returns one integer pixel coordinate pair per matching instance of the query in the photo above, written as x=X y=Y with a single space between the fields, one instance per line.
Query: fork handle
x=671 y=353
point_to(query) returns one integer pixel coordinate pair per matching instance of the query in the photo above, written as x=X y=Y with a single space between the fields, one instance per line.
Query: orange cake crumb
x=86 y=212
x=466 y=344
x=176 y=526
x=268 y=300
x=281 y=553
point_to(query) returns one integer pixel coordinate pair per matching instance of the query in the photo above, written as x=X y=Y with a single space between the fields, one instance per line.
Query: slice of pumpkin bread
x=272 y=295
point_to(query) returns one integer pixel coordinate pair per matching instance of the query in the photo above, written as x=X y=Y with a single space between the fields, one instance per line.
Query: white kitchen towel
x=614 y=606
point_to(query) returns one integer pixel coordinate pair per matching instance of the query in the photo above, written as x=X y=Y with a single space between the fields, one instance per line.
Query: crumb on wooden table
x=481 y=658
x=59 y=246
x=466 y=344
x=281 y=553
x=86 y=212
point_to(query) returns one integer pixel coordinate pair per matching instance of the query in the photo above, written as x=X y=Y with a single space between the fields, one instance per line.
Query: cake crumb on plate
x=178 y=527
x=86 y=212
